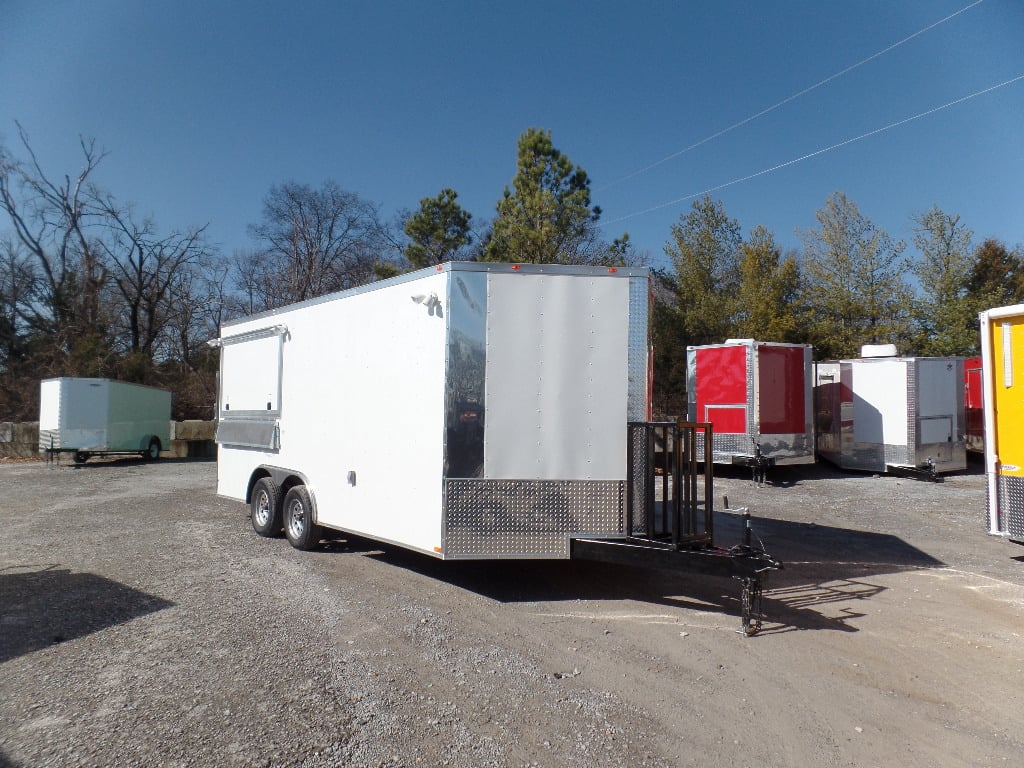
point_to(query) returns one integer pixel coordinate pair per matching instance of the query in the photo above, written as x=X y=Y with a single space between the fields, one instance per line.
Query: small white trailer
x=885 y=413
x=88 y=417
x=464 y=411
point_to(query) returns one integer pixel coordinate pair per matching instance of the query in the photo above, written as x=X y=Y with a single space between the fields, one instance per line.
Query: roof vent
x=879 y=350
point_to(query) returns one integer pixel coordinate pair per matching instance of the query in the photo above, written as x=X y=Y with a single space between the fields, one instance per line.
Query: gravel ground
x=143 y=623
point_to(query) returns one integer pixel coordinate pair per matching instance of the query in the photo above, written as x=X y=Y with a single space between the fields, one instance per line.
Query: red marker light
x=612 y=270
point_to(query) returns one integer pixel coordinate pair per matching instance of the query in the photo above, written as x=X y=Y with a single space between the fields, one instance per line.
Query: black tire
x=81 y=457
x=299 y=528
x=152 y=453
x=265 y=508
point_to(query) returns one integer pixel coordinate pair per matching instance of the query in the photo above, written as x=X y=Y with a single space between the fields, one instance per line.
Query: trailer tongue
x=670 y=517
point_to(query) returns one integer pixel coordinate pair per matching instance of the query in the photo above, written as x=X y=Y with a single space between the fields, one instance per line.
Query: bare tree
x=17 y=282
x=17 y=285
x=196 y=307
x=144 y=266
x=312 y=242
x=55 y=223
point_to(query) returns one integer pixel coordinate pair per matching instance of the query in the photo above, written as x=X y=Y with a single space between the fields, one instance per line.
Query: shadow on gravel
x=49 y=605
x=828 y=571
x=98 y=463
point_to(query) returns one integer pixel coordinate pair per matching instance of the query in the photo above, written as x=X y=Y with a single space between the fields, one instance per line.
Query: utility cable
x=821 y=151
x=786 y=100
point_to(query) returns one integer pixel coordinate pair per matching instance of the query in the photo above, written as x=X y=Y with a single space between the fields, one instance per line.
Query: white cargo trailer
x=469 y=411
x=466 y=411
x=885 y=413
x=101 y=416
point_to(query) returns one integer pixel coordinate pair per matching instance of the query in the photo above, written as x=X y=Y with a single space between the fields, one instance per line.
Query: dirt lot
x=143 y=623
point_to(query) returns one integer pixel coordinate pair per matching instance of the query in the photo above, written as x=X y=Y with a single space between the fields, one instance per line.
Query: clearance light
x=515 y=267
x=439 y=550
x=612 y=270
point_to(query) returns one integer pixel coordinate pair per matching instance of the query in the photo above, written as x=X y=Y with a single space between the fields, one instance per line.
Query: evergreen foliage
x=769 y=289
x=946 y=316
x=704 y=250
x=854 y=291
x=439 y=231
x=996 y=278
x=547 y=217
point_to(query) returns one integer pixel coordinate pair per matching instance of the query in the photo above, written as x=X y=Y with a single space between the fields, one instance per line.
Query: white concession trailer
x=883 y=412
x=89 y=416
x=467 y=410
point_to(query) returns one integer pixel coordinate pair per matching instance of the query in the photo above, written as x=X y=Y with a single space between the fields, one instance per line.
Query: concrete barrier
x=192 y=440
x=19 y=439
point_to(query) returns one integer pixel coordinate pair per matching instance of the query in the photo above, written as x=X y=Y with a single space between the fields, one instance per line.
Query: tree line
x=89 y=287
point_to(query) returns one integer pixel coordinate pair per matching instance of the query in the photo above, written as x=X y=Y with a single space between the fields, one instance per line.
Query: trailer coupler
x=759 y=464
x=751 y=610
x=752 y=587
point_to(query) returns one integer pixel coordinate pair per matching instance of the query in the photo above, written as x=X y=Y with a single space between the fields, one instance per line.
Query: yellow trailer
x=1002 y=356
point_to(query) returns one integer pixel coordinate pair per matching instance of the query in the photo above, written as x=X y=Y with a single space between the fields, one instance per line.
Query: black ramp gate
x=670 y=515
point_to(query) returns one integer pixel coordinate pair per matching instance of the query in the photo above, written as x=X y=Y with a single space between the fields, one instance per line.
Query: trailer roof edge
x=451 y=266
x=998 y=312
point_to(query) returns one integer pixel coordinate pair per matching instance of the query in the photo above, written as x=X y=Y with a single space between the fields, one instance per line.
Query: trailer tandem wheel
x=265 y=508
x=299 y=528
x=152 y=453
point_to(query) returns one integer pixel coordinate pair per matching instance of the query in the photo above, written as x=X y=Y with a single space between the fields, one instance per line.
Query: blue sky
x=202 y=106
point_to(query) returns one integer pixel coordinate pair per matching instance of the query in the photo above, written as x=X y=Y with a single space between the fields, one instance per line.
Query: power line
x=821 y=151
x=788 y=99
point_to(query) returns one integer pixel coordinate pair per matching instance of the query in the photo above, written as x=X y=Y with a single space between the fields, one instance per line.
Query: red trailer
x=974 y=405
x=757 y=396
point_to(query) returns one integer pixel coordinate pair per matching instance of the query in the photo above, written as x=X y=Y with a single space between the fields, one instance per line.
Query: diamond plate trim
x=726 y=446
x=912 y=411
x=901 y=455
x=528 y=518
x=752 y=408
x=636 y=405
x=1011 y=504
x=642 y=473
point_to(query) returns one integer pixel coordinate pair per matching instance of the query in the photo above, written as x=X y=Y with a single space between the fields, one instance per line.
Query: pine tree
x=704 y=250
x=945 y=315
x=854 y=288
x=439 y=231
x=768 y=292
x=547 y=216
